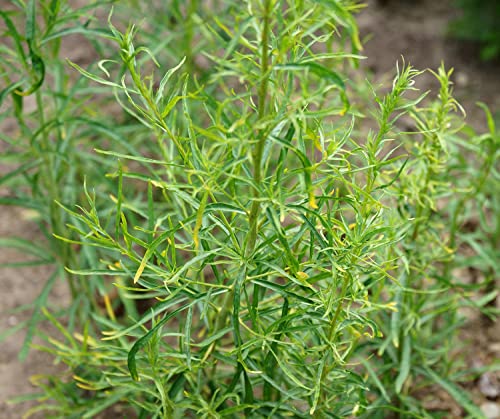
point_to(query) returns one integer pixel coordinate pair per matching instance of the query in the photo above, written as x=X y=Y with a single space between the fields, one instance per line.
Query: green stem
x=259 y=149
x=331 y=332
x=257 y=161
x=146 y=95
x=193 y=6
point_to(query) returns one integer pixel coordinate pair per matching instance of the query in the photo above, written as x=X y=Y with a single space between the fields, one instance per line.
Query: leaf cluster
x=256 y=241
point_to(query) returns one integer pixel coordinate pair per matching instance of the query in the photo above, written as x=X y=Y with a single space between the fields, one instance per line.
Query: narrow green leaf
x=22 y=202
x=319 y=70
x=26 y=247
x=30 y=21
x=135 y=158
x=82 y=30
x=405 y=364
x=282 y=290
x=187 y=336
x=15 y=35
x=151 y=249
x=319 y=383
x=37 y=64
x=9 y=89
x=158 y=309
x=177 y=386
x=269 y=360
x=231 y=411
x=163 y=83
x=132 y=365
x=111 y=399
x=396 y=315
x=293 y=263
x=224 y=207
x=456 y=392
x=374 y=377
x=284 y=366
x=93 y=77
x=248 y=390
x=213 y=338
x=54 y=7
x=489 y=118
x=194 y=261
x=57 y=324
x=235 y=317
x=199 y=219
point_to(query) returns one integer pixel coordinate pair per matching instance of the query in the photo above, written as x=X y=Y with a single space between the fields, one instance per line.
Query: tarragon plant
x=273 y=246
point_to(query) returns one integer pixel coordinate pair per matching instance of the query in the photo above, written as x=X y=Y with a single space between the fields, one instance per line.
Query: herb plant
x=261 y=247
x=478 y=22
x=46 y=137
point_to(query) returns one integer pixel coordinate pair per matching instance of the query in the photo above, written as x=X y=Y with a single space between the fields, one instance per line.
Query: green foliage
x=479 y=22
x=48 y=147
x=249 y=242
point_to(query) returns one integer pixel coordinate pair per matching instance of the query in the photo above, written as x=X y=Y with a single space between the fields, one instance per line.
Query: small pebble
x=494 y=347
x=489 y=386
x=462 y=79
x=12 y=321
x=491 y=410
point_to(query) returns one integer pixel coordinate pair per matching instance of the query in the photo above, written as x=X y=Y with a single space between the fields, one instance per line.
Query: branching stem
x=261 y=135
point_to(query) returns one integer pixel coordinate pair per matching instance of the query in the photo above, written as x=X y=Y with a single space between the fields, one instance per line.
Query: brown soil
x=415 y=30
x=20 y=286
x=418 y=31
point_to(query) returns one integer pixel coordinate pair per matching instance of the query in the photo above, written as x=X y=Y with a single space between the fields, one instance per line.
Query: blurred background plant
x=53 y=129
x=479 y=23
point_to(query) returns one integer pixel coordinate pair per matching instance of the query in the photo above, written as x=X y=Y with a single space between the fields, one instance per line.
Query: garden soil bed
x=390 y=29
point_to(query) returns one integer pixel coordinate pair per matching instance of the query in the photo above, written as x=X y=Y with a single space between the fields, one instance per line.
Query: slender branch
x=261 y=135
x=257 y=161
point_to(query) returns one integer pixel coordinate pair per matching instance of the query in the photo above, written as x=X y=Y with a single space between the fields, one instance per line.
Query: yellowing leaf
x=302 y=275
x=141 y=268
x=312 y=201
